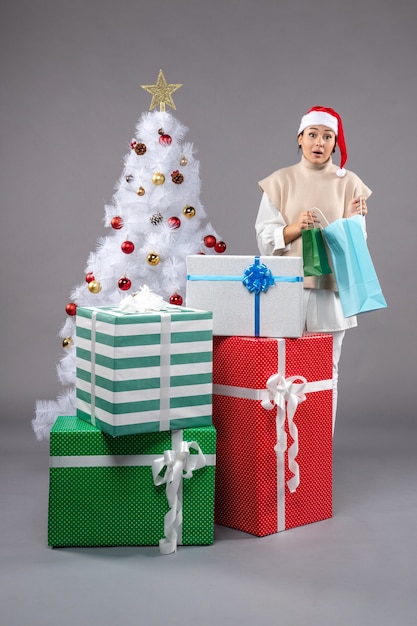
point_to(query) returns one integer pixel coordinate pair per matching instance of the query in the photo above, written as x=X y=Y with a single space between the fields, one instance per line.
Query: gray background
x=70 y=100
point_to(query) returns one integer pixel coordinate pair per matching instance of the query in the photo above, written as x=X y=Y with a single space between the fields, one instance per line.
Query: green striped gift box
x=144 y=372
x=102 y=491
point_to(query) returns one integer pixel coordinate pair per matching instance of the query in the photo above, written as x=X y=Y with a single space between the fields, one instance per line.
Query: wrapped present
x=145 y=371
x=249 y=296
x=272 y=409
x=149 y=489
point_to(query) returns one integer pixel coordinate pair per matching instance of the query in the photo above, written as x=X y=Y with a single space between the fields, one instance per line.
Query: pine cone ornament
x=177 y=177
x=140 y=149
x=156 y=218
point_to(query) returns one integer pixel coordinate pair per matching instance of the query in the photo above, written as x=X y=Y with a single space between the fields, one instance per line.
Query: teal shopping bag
x=354 y=271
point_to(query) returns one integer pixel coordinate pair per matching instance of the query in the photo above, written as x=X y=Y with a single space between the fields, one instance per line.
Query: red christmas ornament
x=176 y=299
x=220 y=247
x=71 y=308
x=117 y=222
x=133 y=144
x=165 y=140
x=124 y=283
x=174 y=222
x=127 y=247
x=209 y=241
x=89 y=277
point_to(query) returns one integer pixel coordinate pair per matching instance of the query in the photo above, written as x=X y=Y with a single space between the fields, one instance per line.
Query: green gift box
x=144 y=372
x=105 y=491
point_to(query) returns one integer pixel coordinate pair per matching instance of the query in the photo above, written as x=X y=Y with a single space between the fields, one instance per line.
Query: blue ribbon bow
x=258 y=277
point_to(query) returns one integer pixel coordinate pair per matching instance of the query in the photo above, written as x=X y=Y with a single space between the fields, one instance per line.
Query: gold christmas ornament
x=158 y=178
x=66 y=342
x=183 y=161
x=161 y=92
x=188 y=211
x=94 y=286
x=140 y=191
x=153 y=258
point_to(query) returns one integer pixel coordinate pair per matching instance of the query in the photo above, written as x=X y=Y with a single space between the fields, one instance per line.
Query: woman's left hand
x=355 y=207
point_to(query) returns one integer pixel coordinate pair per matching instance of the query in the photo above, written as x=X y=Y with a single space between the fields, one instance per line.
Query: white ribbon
x=178 y=464
x=142 y=301
x=286 y=395
x=93 y=367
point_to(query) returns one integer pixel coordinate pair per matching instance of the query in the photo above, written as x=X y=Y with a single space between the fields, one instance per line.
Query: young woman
x=289 y=198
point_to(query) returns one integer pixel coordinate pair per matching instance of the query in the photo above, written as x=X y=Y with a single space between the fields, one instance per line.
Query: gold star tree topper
x=161 y=92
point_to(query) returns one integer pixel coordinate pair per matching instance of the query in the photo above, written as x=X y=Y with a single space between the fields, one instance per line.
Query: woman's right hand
x=306 y=219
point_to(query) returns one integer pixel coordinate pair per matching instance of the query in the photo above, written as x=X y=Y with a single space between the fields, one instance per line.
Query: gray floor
x=357 y=568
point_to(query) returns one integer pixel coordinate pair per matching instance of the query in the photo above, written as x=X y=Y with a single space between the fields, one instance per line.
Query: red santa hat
x=327 y=117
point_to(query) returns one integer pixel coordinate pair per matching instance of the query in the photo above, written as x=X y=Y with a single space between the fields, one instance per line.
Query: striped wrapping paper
x=143 y=372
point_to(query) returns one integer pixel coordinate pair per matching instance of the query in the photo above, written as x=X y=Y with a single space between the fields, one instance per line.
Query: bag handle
x=322 y=214
x=328 y=223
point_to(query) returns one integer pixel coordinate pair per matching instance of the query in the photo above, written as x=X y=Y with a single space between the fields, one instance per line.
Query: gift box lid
x=73 y=436
x=230 y=266
x=114 y=315
x=249 y=361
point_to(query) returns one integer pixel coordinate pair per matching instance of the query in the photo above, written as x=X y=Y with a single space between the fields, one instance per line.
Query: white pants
x=323 y=313
x=337 y=349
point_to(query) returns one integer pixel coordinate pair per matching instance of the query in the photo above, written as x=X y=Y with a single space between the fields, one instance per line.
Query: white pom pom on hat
x=327 y=117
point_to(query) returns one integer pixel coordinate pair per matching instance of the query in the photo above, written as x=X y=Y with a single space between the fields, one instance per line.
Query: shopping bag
x=315 y=260
x=354 y=271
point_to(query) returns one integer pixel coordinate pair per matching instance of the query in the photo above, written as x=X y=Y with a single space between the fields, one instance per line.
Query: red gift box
x=272 y=408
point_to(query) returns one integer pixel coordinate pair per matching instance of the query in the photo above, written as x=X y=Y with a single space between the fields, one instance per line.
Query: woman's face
x=317 y=143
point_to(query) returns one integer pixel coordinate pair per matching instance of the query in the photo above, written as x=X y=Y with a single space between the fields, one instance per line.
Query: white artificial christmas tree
x=155 y=220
